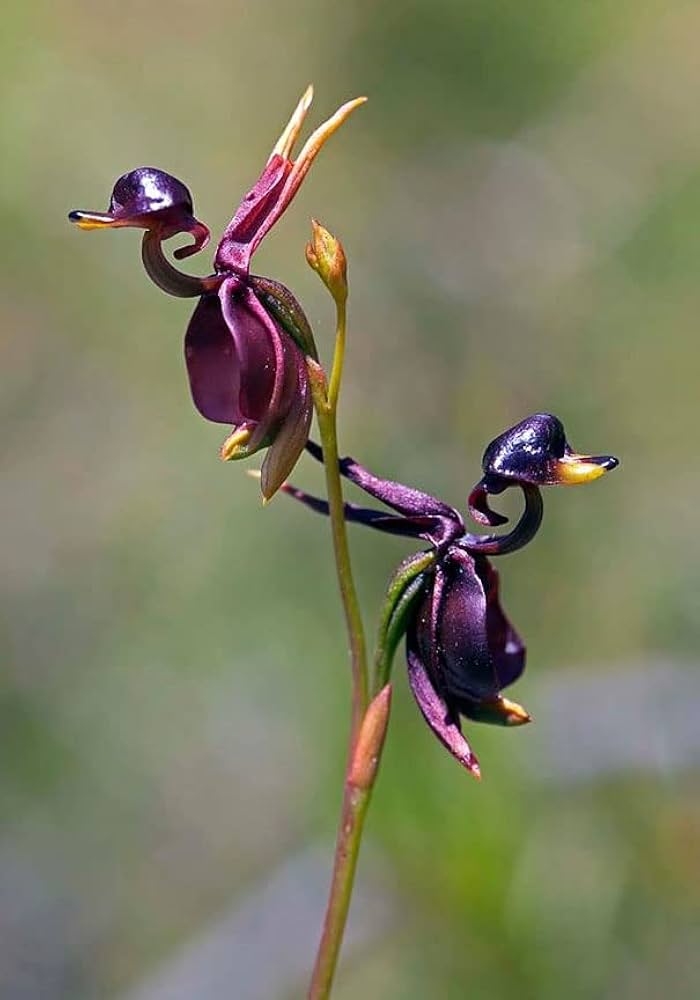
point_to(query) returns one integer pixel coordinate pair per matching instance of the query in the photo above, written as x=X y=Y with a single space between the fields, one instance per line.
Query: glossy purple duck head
x=247 y=342
x=533 y=453
x=148 y=198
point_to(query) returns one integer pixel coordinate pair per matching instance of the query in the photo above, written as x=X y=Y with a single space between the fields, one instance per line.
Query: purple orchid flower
x=462 y=650
x=247 y=342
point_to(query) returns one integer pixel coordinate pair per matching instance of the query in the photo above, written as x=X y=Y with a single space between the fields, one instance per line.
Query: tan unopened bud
x=326 y=256
x=370 y=741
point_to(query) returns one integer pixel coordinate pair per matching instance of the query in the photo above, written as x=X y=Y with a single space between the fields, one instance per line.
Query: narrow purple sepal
x=435 y=712
x=404 y=499
x=424 y=516
x=238 y=242
x=391 y=524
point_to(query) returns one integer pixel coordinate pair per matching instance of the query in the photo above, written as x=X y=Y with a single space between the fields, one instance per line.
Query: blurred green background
x=519 y=202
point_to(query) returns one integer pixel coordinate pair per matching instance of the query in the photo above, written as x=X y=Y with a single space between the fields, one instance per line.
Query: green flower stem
x=404 y=590
x=326 y=407
x=347 y=849
x=363 y=767
x=338 y=357
x=355 y=798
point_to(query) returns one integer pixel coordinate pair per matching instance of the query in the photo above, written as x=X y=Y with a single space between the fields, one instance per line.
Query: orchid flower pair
x=247 y=351
x=248 y=339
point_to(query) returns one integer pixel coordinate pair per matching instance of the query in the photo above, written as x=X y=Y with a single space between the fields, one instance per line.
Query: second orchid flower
x=461 y=649
x=247 y=342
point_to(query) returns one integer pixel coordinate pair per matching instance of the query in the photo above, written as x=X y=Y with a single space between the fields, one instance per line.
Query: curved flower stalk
x=462 y=650
x=247 y=342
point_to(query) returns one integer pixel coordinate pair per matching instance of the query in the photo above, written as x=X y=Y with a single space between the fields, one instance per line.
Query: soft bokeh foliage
x=519 y=204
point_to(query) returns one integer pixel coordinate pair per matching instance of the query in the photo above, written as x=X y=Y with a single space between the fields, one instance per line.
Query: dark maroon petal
x=457 y=640
x=268 y=359
x=506 y=646
x=444 y=723
x=270 y=364
x=235 y=249
x=213 y=365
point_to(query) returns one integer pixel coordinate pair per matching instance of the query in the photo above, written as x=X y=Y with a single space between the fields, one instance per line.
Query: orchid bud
x=326 y=256
x=370 y=741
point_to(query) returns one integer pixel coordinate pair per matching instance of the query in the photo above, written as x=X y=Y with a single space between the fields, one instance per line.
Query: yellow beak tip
x=576 y=469
x=90 y=220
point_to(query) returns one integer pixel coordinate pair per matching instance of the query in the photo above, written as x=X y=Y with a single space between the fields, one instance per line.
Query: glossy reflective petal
x=452 y=632
x=444 y=724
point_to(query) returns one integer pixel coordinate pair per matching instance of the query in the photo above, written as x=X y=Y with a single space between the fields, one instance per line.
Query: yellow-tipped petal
x=317 y=140
x=497 y=712
x=514 y=714
x=235 y=444
x=285 y=143
x=301 y=166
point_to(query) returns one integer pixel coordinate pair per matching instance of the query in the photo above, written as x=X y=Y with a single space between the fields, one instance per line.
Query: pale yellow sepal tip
x=234 y=445
x=285 y=143
x=322 y=134
x=515 y=714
